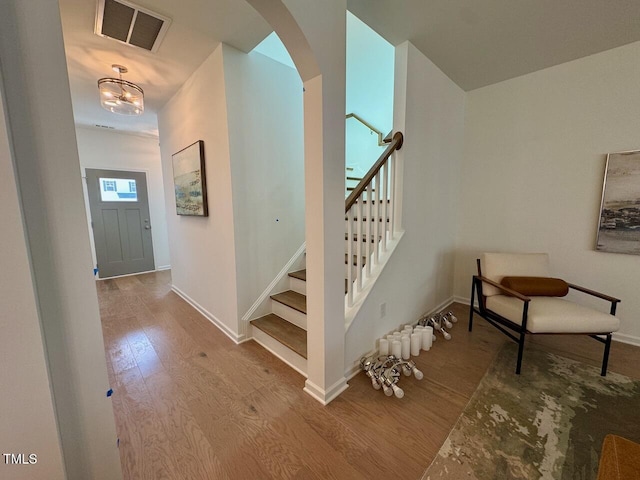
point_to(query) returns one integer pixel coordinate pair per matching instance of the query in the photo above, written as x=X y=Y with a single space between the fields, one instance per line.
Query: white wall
x=264 y=105
x=202 y=248
x=110 y=150
x=40 y=122
x=28 y=420
x=533 y=168
x=429 y=110
x=369 y=93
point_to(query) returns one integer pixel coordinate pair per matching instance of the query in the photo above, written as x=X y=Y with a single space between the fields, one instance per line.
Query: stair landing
x=285 y=332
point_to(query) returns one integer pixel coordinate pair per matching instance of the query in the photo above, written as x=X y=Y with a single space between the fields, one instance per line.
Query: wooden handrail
x=396 y=144
x=381 y=141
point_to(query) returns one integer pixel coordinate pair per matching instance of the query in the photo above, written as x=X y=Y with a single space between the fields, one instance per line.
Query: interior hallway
x=189 y=403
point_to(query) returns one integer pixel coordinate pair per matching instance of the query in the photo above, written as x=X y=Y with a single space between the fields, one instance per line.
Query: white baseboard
x=209 y=316
x=163 y=267
x=624 y=338
x=355 y=369
x=325 y=396
x=464 y=300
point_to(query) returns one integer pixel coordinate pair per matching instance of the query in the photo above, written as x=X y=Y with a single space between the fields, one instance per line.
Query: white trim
x=624 y=338
x=328 y=395
x=277 y=349
x=355 y=369
x=112 y=129
x=267 y=291
x=237 y=339
x=125 y=275
x=163 y=267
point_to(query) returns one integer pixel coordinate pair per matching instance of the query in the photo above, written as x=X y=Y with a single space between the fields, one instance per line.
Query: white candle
x=427 y=338
x=416 y=342
x=383 y=348
x=396 y=349
x=406 y=347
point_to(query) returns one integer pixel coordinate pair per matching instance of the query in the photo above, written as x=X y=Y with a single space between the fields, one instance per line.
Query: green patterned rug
x=547 y=423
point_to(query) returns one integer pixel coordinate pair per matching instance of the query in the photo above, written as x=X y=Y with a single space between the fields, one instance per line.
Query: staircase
x=284 y=331
x=368 y=229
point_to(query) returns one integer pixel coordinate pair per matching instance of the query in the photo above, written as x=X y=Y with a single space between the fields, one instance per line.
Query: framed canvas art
x=619 y=227
x=189 y=181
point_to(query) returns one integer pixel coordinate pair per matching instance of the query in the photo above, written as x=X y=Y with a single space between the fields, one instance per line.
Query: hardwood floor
x=190 y=404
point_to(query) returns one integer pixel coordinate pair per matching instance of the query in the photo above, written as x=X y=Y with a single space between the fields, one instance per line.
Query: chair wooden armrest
x=506 y=290
x=594 y=293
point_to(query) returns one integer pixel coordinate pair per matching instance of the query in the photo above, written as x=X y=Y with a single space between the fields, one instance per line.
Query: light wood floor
x=190 y=404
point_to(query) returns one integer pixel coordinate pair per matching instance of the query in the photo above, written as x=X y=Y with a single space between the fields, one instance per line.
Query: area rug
x=547 y=423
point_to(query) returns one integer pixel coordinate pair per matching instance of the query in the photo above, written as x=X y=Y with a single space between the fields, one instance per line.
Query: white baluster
x=376 y=229
x=350 y=255
x=392 y=165
x=367 y=239
x=385 y=208
x=359 y=213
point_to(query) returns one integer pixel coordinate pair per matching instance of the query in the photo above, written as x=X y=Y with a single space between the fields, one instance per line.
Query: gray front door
x=121 y=225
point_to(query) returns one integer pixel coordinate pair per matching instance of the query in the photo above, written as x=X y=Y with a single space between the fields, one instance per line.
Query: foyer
x=190 y=403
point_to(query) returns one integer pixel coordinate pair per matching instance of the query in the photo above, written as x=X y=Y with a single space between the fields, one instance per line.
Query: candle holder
x=440 y=323
x=385 y=371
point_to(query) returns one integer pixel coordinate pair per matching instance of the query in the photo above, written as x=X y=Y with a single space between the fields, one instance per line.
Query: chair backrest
x=496 y=266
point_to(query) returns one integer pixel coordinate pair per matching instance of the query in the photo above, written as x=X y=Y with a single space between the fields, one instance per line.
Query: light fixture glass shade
x=120 y=96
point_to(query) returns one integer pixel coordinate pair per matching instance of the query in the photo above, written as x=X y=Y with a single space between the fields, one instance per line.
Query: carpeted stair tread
x=292 y=299
x=285 y=332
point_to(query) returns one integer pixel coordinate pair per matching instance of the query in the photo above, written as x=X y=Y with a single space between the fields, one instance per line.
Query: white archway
x=314 y=34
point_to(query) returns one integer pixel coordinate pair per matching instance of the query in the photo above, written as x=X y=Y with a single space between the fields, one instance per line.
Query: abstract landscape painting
x=189 y=180
x=619 y=228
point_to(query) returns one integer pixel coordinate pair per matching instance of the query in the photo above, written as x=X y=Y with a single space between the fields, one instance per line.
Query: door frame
x=87 y=207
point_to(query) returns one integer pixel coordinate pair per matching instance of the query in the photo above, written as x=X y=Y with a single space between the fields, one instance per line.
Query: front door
x=119 y=207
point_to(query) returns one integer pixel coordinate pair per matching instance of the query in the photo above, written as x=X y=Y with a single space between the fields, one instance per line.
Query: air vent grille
x=130 y=24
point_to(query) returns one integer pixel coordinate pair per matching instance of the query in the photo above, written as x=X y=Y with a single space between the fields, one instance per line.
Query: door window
x=118 y=190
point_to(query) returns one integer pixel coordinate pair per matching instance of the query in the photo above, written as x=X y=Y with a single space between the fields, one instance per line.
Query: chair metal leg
x=520 y=351
x=473 y=291
x=605 y=358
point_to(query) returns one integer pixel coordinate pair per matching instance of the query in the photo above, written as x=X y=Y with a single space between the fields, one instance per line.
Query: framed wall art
x=619 y=227
x=189 y=181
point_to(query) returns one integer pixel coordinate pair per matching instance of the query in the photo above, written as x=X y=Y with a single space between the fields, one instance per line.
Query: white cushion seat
x=553 y=315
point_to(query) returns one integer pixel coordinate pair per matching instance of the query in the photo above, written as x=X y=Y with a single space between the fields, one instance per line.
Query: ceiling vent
x=130 y=24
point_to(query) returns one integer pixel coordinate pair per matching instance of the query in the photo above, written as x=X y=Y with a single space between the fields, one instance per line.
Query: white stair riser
x=289 y=314
x=298 y=285
x=281 y=351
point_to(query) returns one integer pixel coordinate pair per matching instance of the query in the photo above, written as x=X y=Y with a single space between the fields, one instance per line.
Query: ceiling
x=197 y=27
x=476 y=43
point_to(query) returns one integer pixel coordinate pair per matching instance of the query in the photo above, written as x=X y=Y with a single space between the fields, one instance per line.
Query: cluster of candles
x=408 y=342
x=395 y=350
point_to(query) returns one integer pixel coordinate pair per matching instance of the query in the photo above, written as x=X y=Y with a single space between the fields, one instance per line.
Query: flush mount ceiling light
x=120 y=96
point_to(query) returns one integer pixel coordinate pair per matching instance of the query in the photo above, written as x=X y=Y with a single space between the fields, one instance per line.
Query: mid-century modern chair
x=516 y=295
